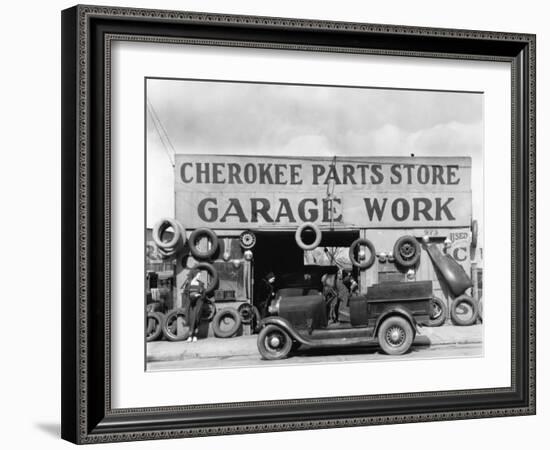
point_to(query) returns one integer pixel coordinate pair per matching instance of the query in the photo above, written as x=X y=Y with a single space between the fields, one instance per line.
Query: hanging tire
x=170 y=327
x=464 y=310
x=274 y=343
x=246 y=313
x=475 y=231
x=226 y=323
x=316 y=241
x=438 y=313
x=154 y=326
x=395 y=335
x=247 y=240
x=203 y=233
x=214 y=276
x=406 y=251
x=367 y=262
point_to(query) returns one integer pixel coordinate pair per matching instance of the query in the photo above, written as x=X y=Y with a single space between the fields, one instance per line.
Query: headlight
x=274 y=307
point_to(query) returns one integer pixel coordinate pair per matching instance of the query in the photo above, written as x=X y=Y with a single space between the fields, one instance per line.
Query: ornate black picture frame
x=87 y=34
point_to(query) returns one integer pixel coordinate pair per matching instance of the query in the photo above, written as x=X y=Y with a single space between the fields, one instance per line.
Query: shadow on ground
x=53 y=429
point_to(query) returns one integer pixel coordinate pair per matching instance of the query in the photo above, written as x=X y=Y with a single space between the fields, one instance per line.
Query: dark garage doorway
x=278 y=252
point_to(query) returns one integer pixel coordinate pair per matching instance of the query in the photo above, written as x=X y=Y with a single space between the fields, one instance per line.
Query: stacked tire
x=170 y=248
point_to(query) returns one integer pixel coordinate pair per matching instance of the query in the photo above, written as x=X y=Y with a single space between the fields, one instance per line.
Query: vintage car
x=388 y=315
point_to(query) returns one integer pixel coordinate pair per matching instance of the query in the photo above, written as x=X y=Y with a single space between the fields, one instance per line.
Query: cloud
x=265 y=117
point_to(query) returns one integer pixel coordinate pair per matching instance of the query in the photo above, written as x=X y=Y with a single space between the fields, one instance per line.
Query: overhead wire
x=162 y=133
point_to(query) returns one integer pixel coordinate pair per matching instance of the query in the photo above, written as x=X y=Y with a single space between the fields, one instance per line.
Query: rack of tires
x=225 y=322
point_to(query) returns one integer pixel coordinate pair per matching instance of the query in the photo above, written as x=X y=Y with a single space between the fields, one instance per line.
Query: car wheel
x=464 y=310
x=406 y=251
x=395 y=335
x=170 y=325
x=274 y=343
x=246 y=312
x=438 y=313
x=226 y=323
x=247 y=240
x=154 y=326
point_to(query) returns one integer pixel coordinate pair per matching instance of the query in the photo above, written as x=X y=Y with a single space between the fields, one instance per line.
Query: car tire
x=439 y=312
x=200 y=233
x=395 y=335
x=367 y=263
x=214 y=276
x=222 y=316
x=154 y=326
x=246 y=313
x=274 y=343
x=457 y=307
x=315 y=229
x=168 y=329
x=406 y=251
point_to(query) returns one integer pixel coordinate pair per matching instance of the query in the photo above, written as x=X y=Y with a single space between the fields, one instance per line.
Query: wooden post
x=475 y=293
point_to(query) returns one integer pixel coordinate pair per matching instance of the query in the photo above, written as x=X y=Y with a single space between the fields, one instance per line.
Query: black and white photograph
x=284 y=223
x=311 y=224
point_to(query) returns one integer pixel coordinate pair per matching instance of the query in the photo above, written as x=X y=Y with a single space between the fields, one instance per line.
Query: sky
x=272 y=119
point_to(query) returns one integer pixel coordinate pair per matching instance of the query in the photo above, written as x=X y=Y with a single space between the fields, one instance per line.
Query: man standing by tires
x=195 y=293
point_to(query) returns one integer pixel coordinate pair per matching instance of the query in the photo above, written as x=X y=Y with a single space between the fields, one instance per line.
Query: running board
x=337 y=342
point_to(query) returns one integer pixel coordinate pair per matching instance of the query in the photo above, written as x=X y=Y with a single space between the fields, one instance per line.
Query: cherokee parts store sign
x=368 y=192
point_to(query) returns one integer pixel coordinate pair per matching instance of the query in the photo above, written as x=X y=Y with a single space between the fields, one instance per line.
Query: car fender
x=285 y=325
x=395 y=311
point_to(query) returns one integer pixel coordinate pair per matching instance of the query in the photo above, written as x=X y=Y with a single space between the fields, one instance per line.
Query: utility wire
x=162 y=126
x=164 y=139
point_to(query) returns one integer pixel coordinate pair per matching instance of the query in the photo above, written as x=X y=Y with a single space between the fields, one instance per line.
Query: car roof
x=307 y=276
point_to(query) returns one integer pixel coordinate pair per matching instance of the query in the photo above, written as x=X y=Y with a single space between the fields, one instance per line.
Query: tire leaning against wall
x=457 y=320
x=438 y=305
x=168 y=332
x=221 y=315
x=154 y=326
